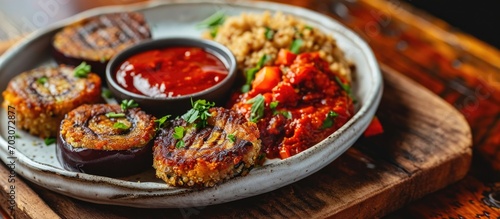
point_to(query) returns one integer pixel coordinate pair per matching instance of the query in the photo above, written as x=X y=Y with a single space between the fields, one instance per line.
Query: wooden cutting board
x=426 y=146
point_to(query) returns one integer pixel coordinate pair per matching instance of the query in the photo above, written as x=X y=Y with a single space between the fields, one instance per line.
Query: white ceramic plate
x=37 y=162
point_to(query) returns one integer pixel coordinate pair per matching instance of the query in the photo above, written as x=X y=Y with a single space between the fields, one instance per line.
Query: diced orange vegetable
x=284 y=152
x=375 y=128
x=285 y=57
x=266 y=79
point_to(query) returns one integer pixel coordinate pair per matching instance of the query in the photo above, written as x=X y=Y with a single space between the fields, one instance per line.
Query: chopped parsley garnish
x=115 y=115
x=330 y=117
x=346 y=87
x=179 y=134
x=42 y=80
x=213 y=22
x=119 y=125
x=128 y=104
x=269 y=33
x=257 y=110
x=273 y=105
x=308 y=27
x=106 y=93
x=199 y=113
x=82 y=70
x=250 y=73
x=49 y=141
x=295 y=47
x=231 y=137
x=161 y=121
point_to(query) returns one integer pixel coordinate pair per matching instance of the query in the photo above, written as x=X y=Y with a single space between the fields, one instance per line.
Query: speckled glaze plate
x=37 y=162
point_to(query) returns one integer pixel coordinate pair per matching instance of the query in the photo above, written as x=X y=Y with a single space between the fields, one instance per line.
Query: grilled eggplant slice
x=44 y=95
x=97 y=39
x=102 y=139
x=227 y=147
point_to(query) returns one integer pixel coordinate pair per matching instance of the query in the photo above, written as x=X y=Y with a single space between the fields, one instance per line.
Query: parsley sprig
x=120 y=125
x=199 y=113
x=161 y=121
x=257 y=110
x=49 y=141
x=273 y=105
x=42 y=80
x=82 y=70
x=213 y=22
x=295 y=47
x=128 y=104
x=330 y=117
x=250 y=73
x=179 y=132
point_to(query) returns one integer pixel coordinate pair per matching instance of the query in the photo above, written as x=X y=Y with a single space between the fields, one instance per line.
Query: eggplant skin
x=97 y=39
x=209 y=156
x=88 y=142
x=41 y=104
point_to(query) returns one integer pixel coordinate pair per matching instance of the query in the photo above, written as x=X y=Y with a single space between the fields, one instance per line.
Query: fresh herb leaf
x=345 y=87
x=269 y=33
x=179 y=134
x=199 y=113
x=308 y=27
x=273 y=105
x=286 y=114
x=250 y=73
x=257 y=110
x=295 y=47
x=49 y=141
x=161 y=121
x=128 y=104
x=82 y=70
x=214 y=31
x=115 y=115
x=214 y=20
x=42 y=80
x=180 y=144
x=106 y=93
x=119 y=125
x=263 y=60
x=17 y=135
x=330 y=117
x=232 y=138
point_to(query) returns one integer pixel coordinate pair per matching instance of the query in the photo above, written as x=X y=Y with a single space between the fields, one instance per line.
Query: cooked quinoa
x=251 y=36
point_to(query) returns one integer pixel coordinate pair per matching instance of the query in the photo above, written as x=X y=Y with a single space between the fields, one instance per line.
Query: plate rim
x=367 y=109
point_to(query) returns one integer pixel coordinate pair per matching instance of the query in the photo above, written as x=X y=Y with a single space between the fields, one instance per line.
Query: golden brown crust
x=88 y=127
x=100 y=38
x=209 y=156
x=42 y=104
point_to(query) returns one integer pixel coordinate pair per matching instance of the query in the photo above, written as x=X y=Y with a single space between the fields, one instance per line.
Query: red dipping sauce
x=171 y=72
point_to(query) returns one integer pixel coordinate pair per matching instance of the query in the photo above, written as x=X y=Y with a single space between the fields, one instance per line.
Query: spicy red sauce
x=171 y=72
x=307 y=93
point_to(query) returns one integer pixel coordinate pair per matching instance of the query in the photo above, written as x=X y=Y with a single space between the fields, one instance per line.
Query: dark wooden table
x=460 y=69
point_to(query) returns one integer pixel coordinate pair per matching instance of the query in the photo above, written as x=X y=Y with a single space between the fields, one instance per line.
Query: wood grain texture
x=26 y=203
x=424 y=148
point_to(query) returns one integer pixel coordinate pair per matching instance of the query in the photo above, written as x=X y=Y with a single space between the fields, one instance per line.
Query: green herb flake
x=345 y=87
x=115 y=115
x=180 y=144
x=307 y=27
x=295 y=47
x=106 y=93
x=232 y=138
x=330 y=117
x=214 y=20
x=42 y=80
x=161 y=121
x=82 y=70
x=250 y=73
x=17 y=136
x=257 y=110
x=119 y=125
x=178 y=135
x=269 y=33
x=198 y=113
x=49 y=141
x=128 y=104
x=273 y=105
